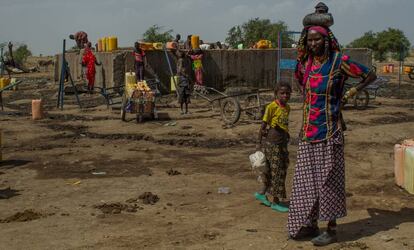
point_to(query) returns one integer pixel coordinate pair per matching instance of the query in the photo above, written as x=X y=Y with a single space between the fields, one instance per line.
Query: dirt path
x=81 y=179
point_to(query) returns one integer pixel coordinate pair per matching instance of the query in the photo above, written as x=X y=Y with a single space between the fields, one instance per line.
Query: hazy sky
x=42 y=24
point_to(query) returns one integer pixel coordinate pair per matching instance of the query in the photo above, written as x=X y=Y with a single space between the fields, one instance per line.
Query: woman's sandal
x=262 y=198
x=279 y=207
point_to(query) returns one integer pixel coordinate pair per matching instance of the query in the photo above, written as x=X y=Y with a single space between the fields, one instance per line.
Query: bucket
x=409 y=170
x=37 y=110
x=195 y=42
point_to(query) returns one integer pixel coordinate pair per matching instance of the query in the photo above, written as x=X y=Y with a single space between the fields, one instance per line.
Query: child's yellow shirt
x=277 y=115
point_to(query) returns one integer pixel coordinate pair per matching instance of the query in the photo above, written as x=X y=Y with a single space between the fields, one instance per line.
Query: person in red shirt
x=140 y=62
x=89 y=60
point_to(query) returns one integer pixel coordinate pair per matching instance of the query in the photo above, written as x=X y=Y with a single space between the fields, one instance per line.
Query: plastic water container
x=390 y=68
x=146 y=46
x=407 y=69
x=399 y=151
x=176 y=78
x=195 y=42
x=130 y=78
x=264 y=44
x=409 y=169
x=171 y=45
x=157 y=46
x=37 y=110
x=100 y=48
x=4 y=82
x=112 y=43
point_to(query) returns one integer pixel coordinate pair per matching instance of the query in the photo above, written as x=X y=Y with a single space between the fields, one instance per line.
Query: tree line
x=390 y=42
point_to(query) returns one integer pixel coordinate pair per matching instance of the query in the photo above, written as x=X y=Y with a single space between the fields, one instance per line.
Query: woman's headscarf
x=331 y=43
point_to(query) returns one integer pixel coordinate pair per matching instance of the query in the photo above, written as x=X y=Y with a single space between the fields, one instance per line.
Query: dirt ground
x=83 y=179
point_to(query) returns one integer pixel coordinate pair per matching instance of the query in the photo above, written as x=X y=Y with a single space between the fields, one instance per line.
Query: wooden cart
x=139 y=102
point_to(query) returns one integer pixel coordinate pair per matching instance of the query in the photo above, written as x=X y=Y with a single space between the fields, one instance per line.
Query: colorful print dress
x=318 y=191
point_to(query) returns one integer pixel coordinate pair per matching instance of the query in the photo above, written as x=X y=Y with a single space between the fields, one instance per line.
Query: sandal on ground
x=279 y=207
x=262 y=198
x=325 y=239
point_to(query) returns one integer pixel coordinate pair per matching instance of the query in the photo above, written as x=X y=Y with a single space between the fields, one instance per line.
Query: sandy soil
x=83 y=179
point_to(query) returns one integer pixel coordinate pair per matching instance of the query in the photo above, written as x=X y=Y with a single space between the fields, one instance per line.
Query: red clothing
x=89 y=60
x=139 y=56
x=198 y=68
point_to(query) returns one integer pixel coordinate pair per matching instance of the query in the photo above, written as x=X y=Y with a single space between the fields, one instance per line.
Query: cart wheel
x=361 y=99
x=230 y=110
x=253 y=111
x=123 y=108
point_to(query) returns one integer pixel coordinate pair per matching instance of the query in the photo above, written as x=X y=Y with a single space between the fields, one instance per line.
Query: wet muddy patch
x=398 y=117
x=117 y=208
x=71 y=117
x=80 y=131
x=26 y=215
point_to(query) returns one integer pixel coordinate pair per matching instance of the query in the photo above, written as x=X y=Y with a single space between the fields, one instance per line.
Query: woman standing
x=89 y=60
x=318 y=191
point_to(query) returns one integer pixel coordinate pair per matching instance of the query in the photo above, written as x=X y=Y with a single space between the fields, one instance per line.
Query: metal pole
x=279 y=54
x=400 y=71
x=65 y=65
x=1 y=62
x=62 y=76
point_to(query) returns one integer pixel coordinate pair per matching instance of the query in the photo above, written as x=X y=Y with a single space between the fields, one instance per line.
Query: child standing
x=276 y=117
x=183 y=83
x=140 y=62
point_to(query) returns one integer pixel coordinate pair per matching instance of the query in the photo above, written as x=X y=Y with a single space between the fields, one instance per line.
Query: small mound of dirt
x=26 y=215
x=149 y=198
x=117 y=208
x=173 y=172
